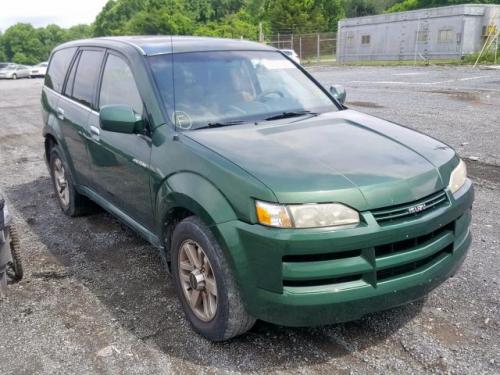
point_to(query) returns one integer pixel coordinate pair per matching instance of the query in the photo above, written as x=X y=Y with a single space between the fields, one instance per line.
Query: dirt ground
x=96 y=300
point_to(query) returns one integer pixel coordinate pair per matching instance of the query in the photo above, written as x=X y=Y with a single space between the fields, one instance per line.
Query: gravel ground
x=95 y=299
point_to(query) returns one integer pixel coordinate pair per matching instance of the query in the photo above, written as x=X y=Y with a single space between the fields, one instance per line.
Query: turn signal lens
x=273 y=215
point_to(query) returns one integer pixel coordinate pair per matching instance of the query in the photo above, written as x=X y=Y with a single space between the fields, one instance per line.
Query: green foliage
x=234 y=26
x=3 y=55
x=405 y=5
x=360 y=8
x=23 y=44
x=156 y=23
x=115 y=14
x=489 y=57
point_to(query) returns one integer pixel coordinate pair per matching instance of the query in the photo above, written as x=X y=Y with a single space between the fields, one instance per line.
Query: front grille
x=388 y=215
x=370 y=265
x=387 y=249
x=406 y=268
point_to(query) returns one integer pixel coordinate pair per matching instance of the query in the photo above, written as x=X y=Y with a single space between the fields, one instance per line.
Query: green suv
x=266 y=197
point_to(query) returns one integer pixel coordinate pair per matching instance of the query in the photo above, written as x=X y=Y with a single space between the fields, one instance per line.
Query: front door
x=121 y=161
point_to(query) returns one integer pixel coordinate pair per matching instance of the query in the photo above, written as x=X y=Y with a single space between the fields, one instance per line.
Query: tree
x=22 y=44
x=3 y=55
x=361 y=8
x=201 y=11
x=115 y=14
x=297 y=16
x=162 y=22
x=405 y=5
x=334 y=11
x=233 y=26
x=79 y=32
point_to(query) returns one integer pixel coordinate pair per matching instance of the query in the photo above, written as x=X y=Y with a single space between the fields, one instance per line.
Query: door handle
x=60 y=113
x=95 y=132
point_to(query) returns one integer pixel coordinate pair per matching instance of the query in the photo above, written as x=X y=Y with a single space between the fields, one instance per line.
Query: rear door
x=121 y=161
x=53 y=86
x=75 y=107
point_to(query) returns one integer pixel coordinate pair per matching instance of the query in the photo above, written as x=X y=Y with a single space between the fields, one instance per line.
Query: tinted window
x=86 y=76
x=68 y=91
x=57 y=69
x=118 y=85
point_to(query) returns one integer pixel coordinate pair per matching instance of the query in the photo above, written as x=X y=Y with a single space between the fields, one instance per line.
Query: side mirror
x=120 y=119
x=338 y=92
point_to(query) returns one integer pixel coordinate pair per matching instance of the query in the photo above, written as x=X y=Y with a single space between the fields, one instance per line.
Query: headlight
x=305 y=215
x=458 y=177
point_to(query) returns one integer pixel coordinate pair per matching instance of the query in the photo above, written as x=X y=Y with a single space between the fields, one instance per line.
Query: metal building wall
x=437 y=33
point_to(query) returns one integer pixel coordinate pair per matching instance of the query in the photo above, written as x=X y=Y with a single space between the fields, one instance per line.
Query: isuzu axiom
x=267 y=197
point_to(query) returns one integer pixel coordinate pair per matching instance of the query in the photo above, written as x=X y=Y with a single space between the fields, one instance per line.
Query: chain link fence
x=311 y=48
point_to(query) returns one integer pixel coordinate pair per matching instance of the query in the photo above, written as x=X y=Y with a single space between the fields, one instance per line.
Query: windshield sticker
x=182 y=120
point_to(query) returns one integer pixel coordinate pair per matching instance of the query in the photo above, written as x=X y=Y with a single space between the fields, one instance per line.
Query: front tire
x=14 y=76
x=205 y=285
x=71 y=202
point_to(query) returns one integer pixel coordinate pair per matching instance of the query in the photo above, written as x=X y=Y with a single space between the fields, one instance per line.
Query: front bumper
x=307 y=277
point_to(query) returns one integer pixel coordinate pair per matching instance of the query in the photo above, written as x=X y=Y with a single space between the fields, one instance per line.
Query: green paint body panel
x=296 y=277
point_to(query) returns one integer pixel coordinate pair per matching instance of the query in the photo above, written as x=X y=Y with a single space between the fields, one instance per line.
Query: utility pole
x=261 y=34
x=496 y=49
x=318 y=48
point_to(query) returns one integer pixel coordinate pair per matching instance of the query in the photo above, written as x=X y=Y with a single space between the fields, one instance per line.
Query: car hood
x=343 y=156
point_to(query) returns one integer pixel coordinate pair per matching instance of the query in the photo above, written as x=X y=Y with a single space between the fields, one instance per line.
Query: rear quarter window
x=58 y=66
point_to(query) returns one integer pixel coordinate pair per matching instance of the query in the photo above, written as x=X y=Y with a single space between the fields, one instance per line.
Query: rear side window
x=68 y=90
x=59 y=63
x=118 y=85
x=85 y=82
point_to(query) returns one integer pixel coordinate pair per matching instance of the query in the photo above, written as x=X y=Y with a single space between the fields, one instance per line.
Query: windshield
x=7 y=66
x=231 y=87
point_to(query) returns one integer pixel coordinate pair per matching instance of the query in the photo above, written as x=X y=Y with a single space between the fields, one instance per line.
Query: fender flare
x=193 y=192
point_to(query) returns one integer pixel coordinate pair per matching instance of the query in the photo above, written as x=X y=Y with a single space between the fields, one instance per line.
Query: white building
x=436 y=33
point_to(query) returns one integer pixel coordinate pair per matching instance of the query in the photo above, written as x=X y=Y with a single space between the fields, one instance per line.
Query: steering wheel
x=267 y=93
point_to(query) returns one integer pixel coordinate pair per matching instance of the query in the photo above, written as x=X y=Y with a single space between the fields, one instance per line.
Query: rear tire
x=15 y=249
x=14 y=76
x=228 y=318
x=71 y=202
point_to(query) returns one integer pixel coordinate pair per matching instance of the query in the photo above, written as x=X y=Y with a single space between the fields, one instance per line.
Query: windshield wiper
x=220 y=124
x=291 y=114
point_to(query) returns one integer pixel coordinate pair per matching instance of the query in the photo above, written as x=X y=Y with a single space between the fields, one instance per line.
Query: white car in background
x=291 y=54
x=39 y=70
x=14 y=71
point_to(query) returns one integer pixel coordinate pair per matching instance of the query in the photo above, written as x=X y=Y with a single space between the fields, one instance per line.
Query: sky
x=40 y=13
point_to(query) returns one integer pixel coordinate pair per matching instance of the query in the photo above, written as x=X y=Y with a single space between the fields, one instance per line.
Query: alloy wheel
x=197 y=280
x=61 y=182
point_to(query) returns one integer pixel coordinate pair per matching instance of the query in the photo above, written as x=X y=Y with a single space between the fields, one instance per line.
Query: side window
x=57 y=68
x=68 y=90
x=118 y=85
x=84 y=85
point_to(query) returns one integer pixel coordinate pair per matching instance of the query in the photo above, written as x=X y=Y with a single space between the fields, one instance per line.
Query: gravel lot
x=95 y=299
